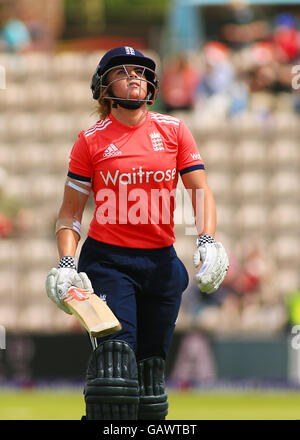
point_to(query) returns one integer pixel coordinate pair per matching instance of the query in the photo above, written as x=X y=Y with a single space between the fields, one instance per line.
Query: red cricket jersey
x=134 y=174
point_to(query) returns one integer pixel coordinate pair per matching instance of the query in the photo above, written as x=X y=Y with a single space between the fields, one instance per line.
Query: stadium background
x=228 y=74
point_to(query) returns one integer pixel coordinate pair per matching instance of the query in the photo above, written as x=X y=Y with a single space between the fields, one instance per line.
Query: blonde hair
x=103 y=108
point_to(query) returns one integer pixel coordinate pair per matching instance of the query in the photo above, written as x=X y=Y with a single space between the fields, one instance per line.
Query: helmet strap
x=129 y=105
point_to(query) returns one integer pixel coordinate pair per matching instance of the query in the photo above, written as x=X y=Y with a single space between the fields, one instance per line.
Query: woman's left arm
x=205 y=215
x=212 y=254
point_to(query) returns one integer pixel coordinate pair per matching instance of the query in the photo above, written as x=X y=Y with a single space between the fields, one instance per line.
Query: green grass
x=247 y=405
x=41 y=405
x=206 y=405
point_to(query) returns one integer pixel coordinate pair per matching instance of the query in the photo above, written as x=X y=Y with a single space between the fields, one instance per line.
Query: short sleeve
x=80 y=166
x=188 y=158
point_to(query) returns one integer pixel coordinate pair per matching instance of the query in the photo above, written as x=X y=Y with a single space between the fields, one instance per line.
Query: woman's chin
x=136 y=95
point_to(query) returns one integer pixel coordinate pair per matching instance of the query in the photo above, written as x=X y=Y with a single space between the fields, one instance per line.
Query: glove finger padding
x=50 y=281
x=212 y=285
x=59 y=281
x=214 y=268
x=223 y=263
x=196 y=258
x=86 y=283
x=222 y=267
x=67 y=277
x=51 y=289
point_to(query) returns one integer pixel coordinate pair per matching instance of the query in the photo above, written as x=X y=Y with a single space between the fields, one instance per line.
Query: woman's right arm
x=60 y=279
x=70 y=214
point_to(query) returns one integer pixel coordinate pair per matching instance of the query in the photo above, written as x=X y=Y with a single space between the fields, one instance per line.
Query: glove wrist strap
x=205 y=238
x=67 y=261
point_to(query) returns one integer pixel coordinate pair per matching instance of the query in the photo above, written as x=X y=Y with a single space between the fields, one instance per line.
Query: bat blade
x=93 y=313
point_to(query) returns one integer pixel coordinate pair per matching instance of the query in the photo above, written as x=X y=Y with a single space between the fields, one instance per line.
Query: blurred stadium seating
x=253 y=173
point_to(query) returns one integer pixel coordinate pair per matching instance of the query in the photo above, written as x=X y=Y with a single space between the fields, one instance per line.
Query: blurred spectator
x=220 y=91
x=9 y=209
x=255 y=269
x=266 y=72
x=19 y=35
x=286 y=38
x=6 y=227
x=14 y=36
x=249 y=278
x=263 y=78
x=243 y=27
x=179 y=80
x=239 y=94
x=218 y=73
x=41 y=38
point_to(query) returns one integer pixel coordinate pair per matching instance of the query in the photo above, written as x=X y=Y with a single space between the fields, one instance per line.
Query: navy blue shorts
x=143 y=287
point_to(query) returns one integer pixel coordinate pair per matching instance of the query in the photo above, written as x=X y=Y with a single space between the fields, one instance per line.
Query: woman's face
x=128 y=82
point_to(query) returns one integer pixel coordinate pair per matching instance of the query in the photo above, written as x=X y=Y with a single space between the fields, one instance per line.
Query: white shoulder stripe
x=160 y=115
x=162 y=118
x=166 y=121
x=98 y=124
x=102 y=127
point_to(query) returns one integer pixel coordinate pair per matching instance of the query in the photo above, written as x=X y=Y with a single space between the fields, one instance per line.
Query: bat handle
x=94 y=342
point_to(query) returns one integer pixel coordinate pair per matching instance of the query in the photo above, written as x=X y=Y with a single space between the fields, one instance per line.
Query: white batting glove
x=59 y=280
x=215 y=263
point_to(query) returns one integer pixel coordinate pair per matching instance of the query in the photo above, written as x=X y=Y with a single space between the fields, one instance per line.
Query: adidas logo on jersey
x=111 y=151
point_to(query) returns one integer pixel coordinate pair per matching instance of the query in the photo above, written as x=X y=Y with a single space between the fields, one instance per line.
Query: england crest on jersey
x=157 y=141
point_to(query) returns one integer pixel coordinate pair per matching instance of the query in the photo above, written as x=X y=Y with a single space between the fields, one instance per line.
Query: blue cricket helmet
x=124 y=56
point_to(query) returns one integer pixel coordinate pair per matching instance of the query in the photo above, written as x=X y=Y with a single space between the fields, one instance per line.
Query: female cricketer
x=131 y=159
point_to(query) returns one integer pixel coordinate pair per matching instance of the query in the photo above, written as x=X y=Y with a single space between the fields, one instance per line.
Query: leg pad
x=111 y=390
x=153 y=403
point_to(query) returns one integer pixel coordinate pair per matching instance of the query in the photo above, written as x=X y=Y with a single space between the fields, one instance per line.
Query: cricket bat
x=93 y=313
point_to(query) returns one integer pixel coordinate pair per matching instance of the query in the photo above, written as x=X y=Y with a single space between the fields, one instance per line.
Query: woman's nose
x=133 y=73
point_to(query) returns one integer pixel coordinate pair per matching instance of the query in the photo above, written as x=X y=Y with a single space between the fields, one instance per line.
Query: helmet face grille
x=122 y=57
x=147 y=76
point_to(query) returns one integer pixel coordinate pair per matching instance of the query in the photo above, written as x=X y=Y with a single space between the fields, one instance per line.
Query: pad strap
x=153 y=398
x=68 y=223
x=111 y=391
